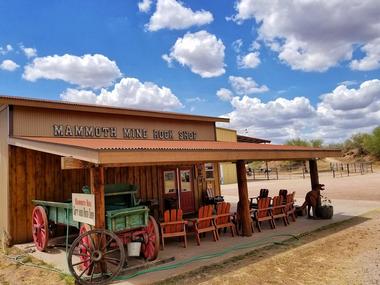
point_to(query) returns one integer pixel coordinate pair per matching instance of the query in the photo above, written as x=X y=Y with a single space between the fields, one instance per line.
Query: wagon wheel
x=40 y=229
x=96 y=257
x=151 y=244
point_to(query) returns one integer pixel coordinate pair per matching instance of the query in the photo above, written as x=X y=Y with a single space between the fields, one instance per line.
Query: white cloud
x=29 y=52
x=246 y=86
x=224 y=94
x=202 y=52
x=337 y=115
x=195 y=100
x=6 y=49
x=250 y=60
x=94 y=71
x=316 y=35
x=371 y=60
x=236 y=45
x=129 y=93
x=172 y=15
x=8 y=65
x=144 y=6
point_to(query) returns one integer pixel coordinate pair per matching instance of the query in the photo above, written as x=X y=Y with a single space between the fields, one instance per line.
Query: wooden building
x=51 y=149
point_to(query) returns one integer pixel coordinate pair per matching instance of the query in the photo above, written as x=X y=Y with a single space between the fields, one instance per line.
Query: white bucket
x=134 y=248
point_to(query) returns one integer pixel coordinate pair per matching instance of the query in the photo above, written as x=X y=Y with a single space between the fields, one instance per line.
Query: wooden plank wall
x=4 y=225
x=38 y=175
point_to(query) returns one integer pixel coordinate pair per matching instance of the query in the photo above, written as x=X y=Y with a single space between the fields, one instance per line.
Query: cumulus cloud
x=94 y=71
x=144 y=6
x=8 y=65
x=246 y=86
x=28 y=51
x=6 y=49
x=202 y=52
x=250 y=60
x=129 y=93
x=172 y=15
x=316 y=35
x=338 y=114
x=224 y=94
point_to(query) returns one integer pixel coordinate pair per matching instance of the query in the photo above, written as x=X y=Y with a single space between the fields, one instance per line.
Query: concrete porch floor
x=344 y=209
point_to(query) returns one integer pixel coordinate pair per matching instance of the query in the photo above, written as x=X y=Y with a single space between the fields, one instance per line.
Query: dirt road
x=348 y=253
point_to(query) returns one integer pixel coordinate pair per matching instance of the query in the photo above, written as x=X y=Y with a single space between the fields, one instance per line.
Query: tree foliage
x=371 y=143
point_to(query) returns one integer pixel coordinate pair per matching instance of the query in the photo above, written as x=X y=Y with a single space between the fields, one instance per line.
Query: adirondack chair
x=222 y=219
x=173 y=226
x=263 y=194
x=204 y=223
x=263 y=213
x=278 y=209
x=210 y=197
x=283 y=193
x=290 y=209
x=237 y=220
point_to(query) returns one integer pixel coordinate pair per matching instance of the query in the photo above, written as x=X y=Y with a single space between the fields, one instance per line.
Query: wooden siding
x=228 y=173
x=225 y=135
x=4 y=226
x=38 y=175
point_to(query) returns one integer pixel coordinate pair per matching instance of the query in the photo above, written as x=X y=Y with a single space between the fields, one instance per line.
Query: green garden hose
x=260 y=242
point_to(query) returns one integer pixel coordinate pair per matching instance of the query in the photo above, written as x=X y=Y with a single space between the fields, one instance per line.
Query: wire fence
x=336 y=170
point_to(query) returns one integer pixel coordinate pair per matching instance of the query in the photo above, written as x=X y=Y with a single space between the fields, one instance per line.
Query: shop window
x=209 y=169
x=170 y=182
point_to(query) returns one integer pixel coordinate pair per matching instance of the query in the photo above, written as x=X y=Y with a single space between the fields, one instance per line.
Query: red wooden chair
x=263 y=213
x=222 y=219
x=290 y=209
x=204 y=223
x=173 y=226
x=278 y=209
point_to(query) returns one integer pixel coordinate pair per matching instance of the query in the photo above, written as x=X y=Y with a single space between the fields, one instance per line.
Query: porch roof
x=138 y=152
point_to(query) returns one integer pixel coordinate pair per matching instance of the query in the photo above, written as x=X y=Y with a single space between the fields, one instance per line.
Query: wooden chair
x=283 y=193
x=236 y=220
x=222 y=219
x=210 y=197
x=204 y=223
x=173 y=226
x=290 y=209
x=263 y=194
x=263 y=213
x=278 y=209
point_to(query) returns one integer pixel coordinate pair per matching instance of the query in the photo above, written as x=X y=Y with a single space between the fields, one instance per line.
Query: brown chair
x=263 y=194
x=263 y=213
x=290 y=209
x=278 y=209
x=204 y=223
x=173 y=226
x=222 y=219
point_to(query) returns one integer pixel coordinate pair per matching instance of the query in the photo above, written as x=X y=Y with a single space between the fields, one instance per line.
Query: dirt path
x=348 y=253
x=14 y=273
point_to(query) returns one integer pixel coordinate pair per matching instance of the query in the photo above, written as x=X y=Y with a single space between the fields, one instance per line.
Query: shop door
x=186 y=190
x=178 y=189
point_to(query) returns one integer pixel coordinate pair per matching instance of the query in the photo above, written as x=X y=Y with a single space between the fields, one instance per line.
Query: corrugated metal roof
x=141 y=145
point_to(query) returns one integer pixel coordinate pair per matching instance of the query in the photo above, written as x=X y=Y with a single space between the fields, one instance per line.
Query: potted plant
x=325 y=210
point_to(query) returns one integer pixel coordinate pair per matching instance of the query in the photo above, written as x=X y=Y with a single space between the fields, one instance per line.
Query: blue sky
x=290 y=54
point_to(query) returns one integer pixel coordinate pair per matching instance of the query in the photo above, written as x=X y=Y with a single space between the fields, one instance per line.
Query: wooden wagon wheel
x=96 y=257
x=40 y=230
x=151 y=245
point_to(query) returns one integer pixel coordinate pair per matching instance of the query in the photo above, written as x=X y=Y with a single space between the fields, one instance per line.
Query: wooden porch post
x=97 y=188
x=314 y=178
x=243 y=198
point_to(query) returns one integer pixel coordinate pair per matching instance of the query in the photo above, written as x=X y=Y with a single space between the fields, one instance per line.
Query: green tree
x=298 y=142
x=371 y=143
x=357 y=142
x=316 y=143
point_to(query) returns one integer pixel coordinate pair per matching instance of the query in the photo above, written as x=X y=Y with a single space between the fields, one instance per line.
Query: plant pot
x=325 y=212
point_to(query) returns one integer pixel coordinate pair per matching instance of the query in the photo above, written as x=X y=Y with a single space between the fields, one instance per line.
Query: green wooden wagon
x=96 y=256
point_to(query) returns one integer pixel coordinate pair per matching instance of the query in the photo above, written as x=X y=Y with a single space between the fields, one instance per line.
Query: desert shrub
x=371 y=143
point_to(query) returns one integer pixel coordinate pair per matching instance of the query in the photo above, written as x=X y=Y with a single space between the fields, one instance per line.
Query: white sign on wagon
x=84 y=208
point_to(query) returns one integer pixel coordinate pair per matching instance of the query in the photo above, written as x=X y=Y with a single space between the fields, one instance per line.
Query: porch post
x=243 y=198
x=314 y=178
x=97 y=188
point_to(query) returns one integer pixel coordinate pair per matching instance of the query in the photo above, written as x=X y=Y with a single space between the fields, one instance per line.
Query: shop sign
x=84 y=208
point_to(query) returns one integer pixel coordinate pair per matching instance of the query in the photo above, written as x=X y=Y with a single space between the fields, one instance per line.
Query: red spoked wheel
x=40 y=229
x=85 y=247
x=151 y=245
x=102 y=261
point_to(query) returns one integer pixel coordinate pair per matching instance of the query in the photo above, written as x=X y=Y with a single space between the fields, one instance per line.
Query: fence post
x=277 y=173
x=348 y=169
x=361 y=169
x=303 y=172
x=371 y=168
x=333 y=171
x=355 y=166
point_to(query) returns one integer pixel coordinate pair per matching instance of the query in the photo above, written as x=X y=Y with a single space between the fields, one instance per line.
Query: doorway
x=178 y=189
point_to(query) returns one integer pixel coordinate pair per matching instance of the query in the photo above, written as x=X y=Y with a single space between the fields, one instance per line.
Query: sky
x=279 y=69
